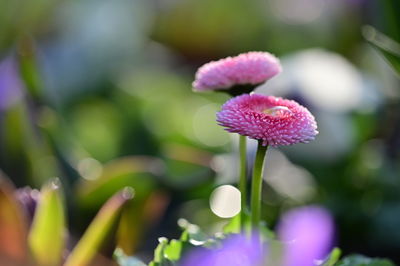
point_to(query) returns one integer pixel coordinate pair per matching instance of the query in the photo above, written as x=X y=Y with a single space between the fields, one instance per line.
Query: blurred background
x=98 y=93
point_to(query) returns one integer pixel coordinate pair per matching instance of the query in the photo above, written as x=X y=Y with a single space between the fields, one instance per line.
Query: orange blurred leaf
x=13 y=226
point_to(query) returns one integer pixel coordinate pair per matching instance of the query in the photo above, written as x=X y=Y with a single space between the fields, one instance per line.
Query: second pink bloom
x=273 y=120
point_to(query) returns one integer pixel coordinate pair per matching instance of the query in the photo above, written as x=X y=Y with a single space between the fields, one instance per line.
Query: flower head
x=308 y=232
x=252 y=69
x=274 y=121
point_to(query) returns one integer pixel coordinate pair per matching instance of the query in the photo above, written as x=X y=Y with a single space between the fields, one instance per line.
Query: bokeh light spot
x=225 y=201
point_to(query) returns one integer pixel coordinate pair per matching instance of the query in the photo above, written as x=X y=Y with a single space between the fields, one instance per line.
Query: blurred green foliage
x=98 y=94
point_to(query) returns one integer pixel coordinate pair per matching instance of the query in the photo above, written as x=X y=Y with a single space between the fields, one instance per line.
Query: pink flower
x=274 y=121
x=250 y=68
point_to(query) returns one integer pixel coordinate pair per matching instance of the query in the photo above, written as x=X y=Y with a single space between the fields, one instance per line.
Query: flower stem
x=243 y=178
x=257 y=185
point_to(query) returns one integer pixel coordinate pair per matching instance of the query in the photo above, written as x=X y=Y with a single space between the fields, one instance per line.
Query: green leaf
x=359 y=260
x=159 y=251
x=387 y=47
x=98 y=231
x=173 y=250
x=13 y=226
x=169 y=253
x=48 y=227
x=333 y=257
x=159 y=254
x=233 y=226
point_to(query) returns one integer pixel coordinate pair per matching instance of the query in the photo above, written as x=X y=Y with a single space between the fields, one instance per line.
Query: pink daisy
x=273 y=120
x=250 y=68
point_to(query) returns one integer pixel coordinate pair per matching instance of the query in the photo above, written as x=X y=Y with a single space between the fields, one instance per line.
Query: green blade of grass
x=387 y=47
x=95 y=236
x=48 y=227
x=333 y=257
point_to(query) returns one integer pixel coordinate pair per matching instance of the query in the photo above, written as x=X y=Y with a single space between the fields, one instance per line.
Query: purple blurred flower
x=28 y=198
x=308 y=232
x=11 y=86
x=237 y=250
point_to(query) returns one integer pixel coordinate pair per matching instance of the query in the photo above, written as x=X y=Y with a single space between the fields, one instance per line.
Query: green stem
x=256 y=186
x=243 y=178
